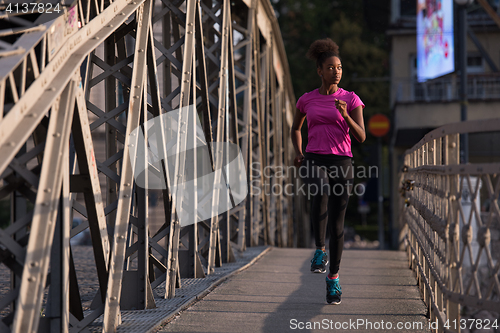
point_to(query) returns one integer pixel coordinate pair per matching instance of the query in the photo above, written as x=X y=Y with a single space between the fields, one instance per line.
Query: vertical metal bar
x=65 y=255
x=111 y=138
x=381 y=225
x=23 y=77
x=232 y=136
x=112 y=304
x=462 y=52
x=84 y=148
x=159 y=125
x=42 y=227
x=166 y=41
x=194 y=260
x=18 y=210
x=262 y=200
x=247 y=225
x=278 y=145
x=268 y=157
x=453 y=157
x=142 y=203
x=218 y=153
x=2 y=97
x=187 y=68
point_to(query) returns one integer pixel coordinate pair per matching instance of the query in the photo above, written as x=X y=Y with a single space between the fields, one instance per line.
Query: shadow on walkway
x=280 y=294
x=379 y=294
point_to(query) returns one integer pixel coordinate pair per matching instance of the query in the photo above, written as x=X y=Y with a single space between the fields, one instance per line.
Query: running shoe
x=333 y=291
x=319 y=262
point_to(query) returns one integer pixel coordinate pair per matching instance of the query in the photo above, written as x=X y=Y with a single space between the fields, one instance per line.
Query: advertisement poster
x=435 y=47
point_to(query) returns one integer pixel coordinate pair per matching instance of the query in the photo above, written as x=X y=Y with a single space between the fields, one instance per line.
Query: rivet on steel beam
x=122 y=237
x=113 y=298
x=56 y=135
x=123 y=14
x=33 y=264
x=47 y=190
x=12 y=143
x=110 y=26
x=125 y=195
x=96 y=38
x=31 y=279
x=127 y=184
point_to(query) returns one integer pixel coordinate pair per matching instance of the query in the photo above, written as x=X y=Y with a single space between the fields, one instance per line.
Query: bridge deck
x=377 y=286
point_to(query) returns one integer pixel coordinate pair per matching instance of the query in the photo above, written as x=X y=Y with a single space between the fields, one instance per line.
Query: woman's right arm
x=296 y=135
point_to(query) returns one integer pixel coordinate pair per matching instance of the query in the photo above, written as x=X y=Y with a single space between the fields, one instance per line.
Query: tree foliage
x=358 y=27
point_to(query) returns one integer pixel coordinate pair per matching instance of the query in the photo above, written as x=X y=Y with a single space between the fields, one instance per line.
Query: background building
x=418 y=107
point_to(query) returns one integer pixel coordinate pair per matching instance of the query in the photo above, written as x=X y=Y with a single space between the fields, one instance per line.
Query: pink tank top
x=328 y=132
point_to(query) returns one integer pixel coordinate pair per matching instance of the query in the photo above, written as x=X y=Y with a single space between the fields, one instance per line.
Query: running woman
x=326 y=167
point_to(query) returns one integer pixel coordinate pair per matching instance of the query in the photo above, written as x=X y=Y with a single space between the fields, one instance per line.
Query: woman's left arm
x=354 y=120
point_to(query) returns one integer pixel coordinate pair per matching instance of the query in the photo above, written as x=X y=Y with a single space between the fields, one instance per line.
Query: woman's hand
x=297 y=161
x=342 y=107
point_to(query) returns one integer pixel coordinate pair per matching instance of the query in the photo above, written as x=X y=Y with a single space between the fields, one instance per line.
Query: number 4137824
x=32 y=8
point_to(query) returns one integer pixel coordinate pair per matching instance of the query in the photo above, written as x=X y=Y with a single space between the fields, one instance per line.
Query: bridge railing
x=78 y=90
x=451 y=225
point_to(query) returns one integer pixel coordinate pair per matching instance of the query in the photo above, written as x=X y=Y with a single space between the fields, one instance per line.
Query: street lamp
x=462 y=56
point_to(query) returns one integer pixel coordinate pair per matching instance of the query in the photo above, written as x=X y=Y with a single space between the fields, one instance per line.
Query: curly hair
x=323 y=49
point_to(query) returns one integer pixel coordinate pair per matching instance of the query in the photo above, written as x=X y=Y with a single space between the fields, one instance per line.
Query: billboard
x=435 y=46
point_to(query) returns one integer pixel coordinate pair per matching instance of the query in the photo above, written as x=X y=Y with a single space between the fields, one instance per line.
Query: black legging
x=329 y=183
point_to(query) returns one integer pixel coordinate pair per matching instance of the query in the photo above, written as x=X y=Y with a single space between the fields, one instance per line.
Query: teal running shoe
x=319 y=262
x=333 y=291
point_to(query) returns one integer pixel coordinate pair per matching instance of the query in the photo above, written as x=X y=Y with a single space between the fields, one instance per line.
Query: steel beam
x=139 y=71
x=45 y=213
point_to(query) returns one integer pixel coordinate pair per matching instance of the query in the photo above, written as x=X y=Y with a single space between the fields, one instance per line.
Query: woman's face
x=331 y=70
